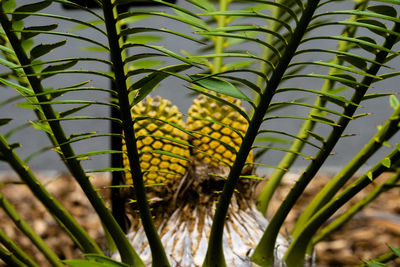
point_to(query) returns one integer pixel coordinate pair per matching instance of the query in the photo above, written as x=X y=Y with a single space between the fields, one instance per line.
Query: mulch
x=363 y=237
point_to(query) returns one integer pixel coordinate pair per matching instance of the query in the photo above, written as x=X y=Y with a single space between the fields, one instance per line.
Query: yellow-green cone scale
x=156 y=167
x=213 y=140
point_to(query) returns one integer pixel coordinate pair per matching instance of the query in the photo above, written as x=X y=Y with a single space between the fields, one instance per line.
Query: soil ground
x=364 y=237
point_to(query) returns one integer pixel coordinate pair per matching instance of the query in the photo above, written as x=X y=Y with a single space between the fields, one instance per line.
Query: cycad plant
x=190 y=176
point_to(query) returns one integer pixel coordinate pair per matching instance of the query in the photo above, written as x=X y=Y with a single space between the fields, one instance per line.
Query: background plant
x=283 y=34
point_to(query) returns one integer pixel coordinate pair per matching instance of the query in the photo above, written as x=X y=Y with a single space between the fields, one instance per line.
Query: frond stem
x=349 y=213
x=272 y=230
x=214 y=254
x=220 y=40
x=389 y=129
x=297 y=145
x=29 y=232
x=73 y=165
x=16 y=250
x=159 y=257
x=298 y=247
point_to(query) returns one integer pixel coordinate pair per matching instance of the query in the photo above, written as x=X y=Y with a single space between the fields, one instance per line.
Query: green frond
x=220 y=99
x=144 y=86
x=244 y=37
x=311 y=106
x=350 y=57
x=40 y=29
x=333 y=66
x=220 y=86
x=377 y=95
x=304 y=234
x=83 y=118
x=255 y=14
x=138 y=118
x=82 y=71
x=250 y=28
x=173 y=140
x=163 y=50
x=236 y=55
x=259 y=138
x=45 y=48
x=131 y=31
x=283 y=149
x=244 y=82
x=360 y=13
x=29 y=8
x=75 y=5
x=313 y=118
x=193 y=21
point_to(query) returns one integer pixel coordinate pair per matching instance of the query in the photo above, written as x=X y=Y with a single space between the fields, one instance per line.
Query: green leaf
x=374 y=264
x=371 y=47
x=85 y=26
x=26 y=105
x=73 y=110
x=204 y=5
x=94 y=153
x=135 y=30
x=145 y=64
x=374 y=23
x=177 y=141
x=395 y=251
x=245 y=82
x=35 y=7
x=41 y=127
x=43 y=49
x=386 y=162
x=222 y=87
x=272 y=139
x=370 y=176
x=289 y=135
x=394 y=102
x=355 y=61
x=162 y=152
x=150 y=81
x=190 y=20
x=8 y=5
x=339 y=100
x=377 y=95
x=106 y=170
x=4 y=121
x=143 y=39
x=105 y=261
x=7 y=63
x=54 y=68
x=346 y=79
x=316 y=136
x=322 y=118
x=27 y=44
x=384 y=10
x=29 y=32
x=86 y=263
x=20 y=89
x=283 y=149
x=222 y=100
x=37 y=153
x=361 y=115
x=94 y=49
x=7 y=50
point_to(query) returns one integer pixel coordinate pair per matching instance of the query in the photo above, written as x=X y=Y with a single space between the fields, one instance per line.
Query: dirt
x=364 y=237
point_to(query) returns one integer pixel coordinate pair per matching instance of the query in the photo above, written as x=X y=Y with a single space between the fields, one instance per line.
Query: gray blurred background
x=173 y=89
